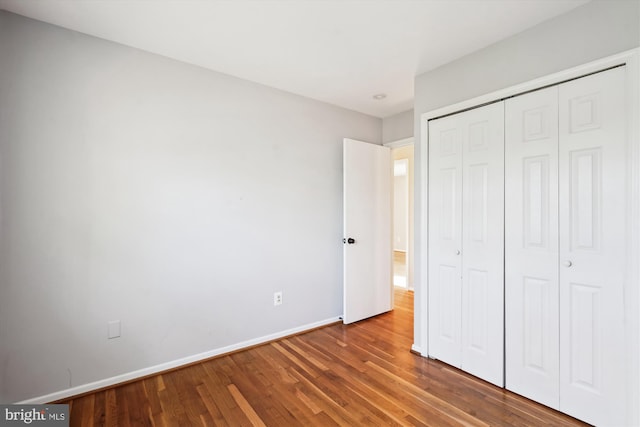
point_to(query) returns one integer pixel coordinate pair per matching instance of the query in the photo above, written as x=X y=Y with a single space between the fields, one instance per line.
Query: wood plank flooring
x=356 y=375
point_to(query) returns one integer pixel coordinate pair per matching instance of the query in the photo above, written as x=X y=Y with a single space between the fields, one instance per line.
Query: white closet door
x=531 y=246
x=466 y=210
x=593 y=243
x=483 y=243
x=445 y=239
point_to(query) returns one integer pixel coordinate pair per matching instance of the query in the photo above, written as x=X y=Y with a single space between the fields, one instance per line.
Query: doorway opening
x=400 y=221
x=403 y=216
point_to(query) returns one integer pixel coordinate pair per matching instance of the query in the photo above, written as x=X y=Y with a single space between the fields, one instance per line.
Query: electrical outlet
x=277 y=298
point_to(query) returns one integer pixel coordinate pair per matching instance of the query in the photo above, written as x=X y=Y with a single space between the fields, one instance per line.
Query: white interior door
x=466 y=270
x=483 y=243
x=445 y=239
x=368 y=289
x=531 y=246
x=593 y=247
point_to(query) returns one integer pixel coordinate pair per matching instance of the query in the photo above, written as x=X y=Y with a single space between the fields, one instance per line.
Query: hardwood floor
x=355 y=375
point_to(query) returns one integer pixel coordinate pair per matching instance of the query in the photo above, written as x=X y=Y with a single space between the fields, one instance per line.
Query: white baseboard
x=416 y=349
x=96 y=385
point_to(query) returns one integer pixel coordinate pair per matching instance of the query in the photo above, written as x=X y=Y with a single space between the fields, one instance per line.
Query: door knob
x=349 y=241
x=567 y=263
x=457 y=251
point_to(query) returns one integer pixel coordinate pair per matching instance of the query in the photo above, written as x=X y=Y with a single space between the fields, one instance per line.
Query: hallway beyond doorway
x=400 y=269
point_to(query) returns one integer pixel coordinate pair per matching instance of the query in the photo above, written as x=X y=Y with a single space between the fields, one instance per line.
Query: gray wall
x=173 y=198
x=590 y=32
x=399 y=126
x=595 y=30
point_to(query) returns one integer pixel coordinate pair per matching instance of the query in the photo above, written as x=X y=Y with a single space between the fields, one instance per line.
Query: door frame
x=630 y=59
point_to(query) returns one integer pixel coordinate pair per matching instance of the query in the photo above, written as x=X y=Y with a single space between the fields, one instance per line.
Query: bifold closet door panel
x=466 y=210
x=483 y=243
x=593 y=242
x=445 y=239
x=531 y=246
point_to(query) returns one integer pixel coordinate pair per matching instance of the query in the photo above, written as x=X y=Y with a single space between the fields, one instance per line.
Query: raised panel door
x=593 y=244
x=466 y=178
x=531 y=246
x=445 y=198
x=483 y=242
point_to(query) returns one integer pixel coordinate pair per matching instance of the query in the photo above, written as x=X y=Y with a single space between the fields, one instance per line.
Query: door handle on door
x=567 y=263
x=457 y=251
x=349 y=241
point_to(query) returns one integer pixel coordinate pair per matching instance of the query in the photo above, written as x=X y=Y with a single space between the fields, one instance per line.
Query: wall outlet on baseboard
x=277 y=298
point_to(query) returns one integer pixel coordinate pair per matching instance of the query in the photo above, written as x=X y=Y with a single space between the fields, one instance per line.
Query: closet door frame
x=631 y=60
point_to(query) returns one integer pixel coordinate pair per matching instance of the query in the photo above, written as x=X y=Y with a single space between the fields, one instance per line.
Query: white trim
x=631 y=59
x=552 y=79
x=107 y=382
x=632 y=293
x=399 y=143
x=423 y=298
x=417 y=350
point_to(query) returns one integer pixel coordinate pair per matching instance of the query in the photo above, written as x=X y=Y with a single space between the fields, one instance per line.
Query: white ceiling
x=337 y=51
